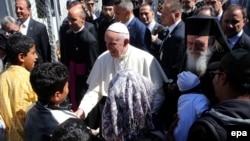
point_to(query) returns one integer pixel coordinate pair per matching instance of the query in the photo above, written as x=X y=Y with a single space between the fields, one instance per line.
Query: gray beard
x=198 y=65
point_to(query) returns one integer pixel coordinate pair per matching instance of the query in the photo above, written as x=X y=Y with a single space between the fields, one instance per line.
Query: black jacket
x=225 y=114
x=41 y=120
x=38 y=32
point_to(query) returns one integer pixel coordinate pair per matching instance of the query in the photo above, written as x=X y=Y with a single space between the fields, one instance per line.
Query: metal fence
x=49 y=12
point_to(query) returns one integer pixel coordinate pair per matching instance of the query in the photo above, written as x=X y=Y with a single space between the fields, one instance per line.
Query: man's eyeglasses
x=213 y=73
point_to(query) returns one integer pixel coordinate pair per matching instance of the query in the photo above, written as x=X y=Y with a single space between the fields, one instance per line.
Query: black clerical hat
x=203 y=25
x=108 y=2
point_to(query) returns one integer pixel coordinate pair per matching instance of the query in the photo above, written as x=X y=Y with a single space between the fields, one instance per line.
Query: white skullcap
x=187 y=80
x=118 y=27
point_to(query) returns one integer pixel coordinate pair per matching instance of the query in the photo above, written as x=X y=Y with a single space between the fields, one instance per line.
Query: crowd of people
x=127 y=73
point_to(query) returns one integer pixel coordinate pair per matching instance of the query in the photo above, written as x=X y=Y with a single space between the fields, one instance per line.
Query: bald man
x=80 y=54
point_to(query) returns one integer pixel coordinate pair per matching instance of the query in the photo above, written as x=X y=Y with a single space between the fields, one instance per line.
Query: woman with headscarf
x=127 y=111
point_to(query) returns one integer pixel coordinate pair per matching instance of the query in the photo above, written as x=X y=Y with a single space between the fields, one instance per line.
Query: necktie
x=165 y=33
x=21 y=28
x=165 y=36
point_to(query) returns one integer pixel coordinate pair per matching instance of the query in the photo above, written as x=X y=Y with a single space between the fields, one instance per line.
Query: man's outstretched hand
x=80 y=114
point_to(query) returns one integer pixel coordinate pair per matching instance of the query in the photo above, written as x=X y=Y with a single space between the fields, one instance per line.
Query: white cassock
x=106 y=67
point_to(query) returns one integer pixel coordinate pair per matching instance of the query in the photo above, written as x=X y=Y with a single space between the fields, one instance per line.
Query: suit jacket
x=140 y=35
x=157 y=29
x=243 y=42
x=162 y=34
x=38 y=32
x=171 y=58
x=172 y=52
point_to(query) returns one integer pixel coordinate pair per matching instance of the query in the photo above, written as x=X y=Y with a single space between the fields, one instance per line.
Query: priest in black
x=103 y=21
x=79 y=54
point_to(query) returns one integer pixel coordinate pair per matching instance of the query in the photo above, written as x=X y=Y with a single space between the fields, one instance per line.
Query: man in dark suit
x=140 y=35
x=217 y=5
x=34 y=29
x=233 y=21
x=172 y=54
x=147 y=16
x=173 y=47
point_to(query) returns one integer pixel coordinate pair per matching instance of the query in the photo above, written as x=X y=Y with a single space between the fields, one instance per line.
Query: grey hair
x=6 y=20
x=126 y=4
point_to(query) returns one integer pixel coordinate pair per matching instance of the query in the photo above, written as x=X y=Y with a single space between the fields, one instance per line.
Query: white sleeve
x=88 y=102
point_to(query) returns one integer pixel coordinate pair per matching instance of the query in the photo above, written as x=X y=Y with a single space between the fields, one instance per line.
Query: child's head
x=188 y=82
x=73 y=129
x=50 y=82
x=21 y=50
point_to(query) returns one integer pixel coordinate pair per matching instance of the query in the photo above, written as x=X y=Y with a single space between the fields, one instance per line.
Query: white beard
x=198 y=65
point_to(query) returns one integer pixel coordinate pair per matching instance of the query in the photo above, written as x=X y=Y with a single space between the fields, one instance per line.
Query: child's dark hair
x=16 y=44
x=73 y=129
x=47 y=78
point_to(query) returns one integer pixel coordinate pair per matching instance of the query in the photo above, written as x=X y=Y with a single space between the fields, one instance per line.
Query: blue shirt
x=190 y=107
x=232 y=41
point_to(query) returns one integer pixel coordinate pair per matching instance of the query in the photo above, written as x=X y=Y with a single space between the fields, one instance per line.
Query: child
x=73 y=129
x=50 y=82
x=191 y=104
x=16 y=93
